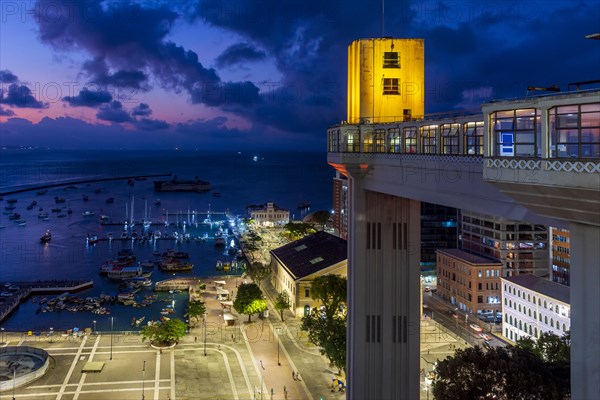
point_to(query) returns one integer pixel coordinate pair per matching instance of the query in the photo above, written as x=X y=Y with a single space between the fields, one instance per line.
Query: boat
x=31 y=205
x=119 y=273
x=178 y=185
x=175 y=266
x=157 y=202
x=147 y=264
x=91 y=239
x=46 y=237
x=22 y=223
x=43 y=215
x=58 y=200
x=104 y=219
x=88 y=213
x=216 y=194
x=219 y=265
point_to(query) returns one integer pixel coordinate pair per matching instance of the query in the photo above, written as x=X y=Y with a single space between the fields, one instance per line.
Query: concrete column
x=383 y=295
x=585 y=311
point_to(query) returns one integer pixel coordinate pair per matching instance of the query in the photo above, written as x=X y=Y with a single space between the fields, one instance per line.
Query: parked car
x=487 y=345
x=485 y=336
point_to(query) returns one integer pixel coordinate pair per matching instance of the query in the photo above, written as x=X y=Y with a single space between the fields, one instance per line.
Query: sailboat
x=146 y=222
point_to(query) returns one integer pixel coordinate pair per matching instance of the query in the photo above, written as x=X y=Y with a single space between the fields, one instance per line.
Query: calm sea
x=241 y=178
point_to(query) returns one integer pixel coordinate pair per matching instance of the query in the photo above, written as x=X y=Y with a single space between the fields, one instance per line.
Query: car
x=484 y=336
x=487 y=345
x=475 y=327
x=6 y=294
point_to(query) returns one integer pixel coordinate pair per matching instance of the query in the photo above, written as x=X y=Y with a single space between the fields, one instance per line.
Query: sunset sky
x=259 y=74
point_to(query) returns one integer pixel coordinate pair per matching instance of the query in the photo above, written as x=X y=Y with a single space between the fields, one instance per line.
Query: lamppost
x=94 y=321
x=143 y=380
x=277 y=336
x=2 y=334
x=51 y=333
x=15 y=366
x=111 y=335
x=204 y=323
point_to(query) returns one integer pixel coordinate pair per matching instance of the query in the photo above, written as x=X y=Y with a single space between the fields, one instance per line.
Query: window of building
x=410 y=139
x=473 y=138
x=391 y=59
x=391 y=86
x=575 y=131
x=379 y=139
x=394 y=140
x=351 y=141
x=428 y=139
x=479 y=286
x=450 y=138
x=517 y=133
x=306 y=292
x=480 y=299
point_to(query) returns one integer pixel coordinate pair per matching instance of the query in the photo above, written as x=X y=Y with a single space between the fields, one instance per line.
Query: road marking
x=258 y=372
x=73 y=364
x=229 y=374
x=136 y=389
x=157 y=376
x=92 y=384
x=83 y=375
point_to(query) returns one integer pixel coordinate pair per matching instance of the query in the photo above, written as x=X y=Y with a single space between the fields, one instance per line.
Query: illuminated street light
x=111 y=335
x=2 y=334
x=94 y=321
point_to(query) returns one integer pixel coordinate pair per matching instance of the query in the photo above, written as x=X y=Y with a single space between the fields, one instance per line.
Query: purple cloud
x=89 y=98
x=20 y=96
x=113 y=112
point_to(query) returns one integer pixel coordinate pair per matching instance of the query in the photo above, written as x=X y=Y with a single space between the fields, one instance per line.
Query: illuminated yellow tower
x=385 y=80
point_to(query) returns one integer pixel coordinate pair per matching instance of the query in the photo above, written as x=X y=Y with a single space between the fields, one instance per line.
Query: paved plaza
x=237 y=362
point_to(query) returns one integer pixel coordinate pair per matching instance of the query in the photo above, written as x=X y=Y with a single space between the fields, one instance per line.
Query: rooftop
x=542 y=286
x=311 y=254
x=468 y=257
x=259 y=207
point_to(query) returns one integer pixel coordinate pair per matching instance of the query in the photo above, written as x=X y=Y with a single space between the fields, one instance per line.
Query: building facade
x=532 y=305
x=269 y=214
x=470 y=282
x=439 y=230
x=560 y=254
x=521 y=247
x=295 y=265
x=340 y=205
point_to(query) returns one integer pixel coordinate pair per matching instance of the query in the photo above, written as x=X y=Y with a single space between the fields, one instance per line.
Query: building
x=469 y=281
x=385 y=80
x=340 y=205
x=560 y=254
x=521 y=247
x=295 y=265
x=532 y=305
x=269 y=214
x=439 y=230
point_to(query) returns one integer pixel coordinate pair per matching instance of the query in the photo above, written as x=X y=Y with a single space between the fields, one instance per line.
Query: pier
x=78 y=182
x=40 y=287
x=177 y=284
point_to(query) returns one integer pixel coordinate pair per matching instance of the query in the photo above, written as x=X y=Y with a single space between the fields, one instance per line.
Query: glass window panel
x=505 y=114
x=590 y=150
x=590 y=119
x=525 y=123
x=525 y=112
x=524 y=150
x=566 y=120
x=524 y=137
x=590 y=107
x=567 y=109
x=504 y=124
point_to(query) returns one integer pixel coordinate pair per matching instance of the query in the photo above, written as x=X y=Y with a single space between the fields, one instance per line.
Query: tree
x=167 y=332
x=282 y=302
x=321 y=217
x=499 y=373
x=195 y=309
x=295 y=231
x=549 y=347
x=258 y=272
x=326 y=326
x=249 y=300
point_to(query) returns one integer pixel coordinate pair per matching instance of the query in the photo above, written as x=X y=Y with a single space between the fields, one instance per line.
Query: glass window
x=368 y=141
x=394 y=142
x=391 y=86
x=450 y=138
x=410 y=139
x=517 y=133
x=379 y=137
x=351 y=141
x=428 y=139
x=575 y=131
x=473 y=138
x=391 y=59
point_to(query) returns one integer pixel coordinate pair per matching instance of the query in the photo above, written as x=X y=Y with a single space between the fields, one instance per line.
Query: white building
x=269 y=214
x=532 y=305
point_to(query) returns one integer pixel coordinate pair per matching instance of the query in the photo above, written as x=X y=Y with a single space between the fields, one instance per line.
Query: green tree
x=167 y=332
x=282 y=302
x=249 y=300
x=321 y=217
x=195 y=309
x=499 y=373
x=549 y=347
x=294 y=231
x=326 y=326
x=258 y=272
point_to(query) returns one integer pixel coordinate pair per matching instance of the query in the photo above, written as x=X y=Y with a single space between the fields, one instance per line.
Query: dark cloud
x=147 y=124
x=239 y=53
x=113 y=112
x=129 y=38
x=7 y=77
x=99 y=74
x=5 y=112
x=89 y=98
x=20 y=96
x=141 y=109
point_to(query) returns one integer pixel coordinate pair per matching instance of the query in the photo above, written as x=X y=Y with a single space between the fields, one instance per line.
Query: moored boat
x=46 y=237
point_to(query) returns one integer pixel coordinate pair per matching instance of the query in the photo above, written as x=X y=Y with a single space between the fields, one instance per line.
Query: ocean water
x=242 y=179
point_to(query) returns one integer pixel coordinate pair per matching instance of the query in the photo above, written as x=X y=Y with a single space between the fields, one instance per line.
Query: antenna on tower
x=382 y=18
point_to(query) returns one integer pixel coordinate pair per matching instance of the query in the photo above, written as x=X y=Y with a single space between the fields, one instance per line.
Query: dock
x=177 y=284
x=11 y=303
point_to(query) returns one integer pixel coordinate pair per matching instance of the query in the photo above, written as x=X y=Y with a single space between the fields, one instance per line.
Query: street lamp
x=15 y=366
x=143 y=376
x=111 y=335
x=2 y=334
x=204 y=323
x=277 y=336
x=94 y=321
x=51 y=333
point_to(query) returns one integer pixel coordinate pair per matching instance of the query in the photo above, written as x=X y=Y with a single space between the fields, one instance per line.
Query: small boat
x=88 y=213
x=220 y=241
x=91 y=239
x=216 y=194
x=57 y=209
x=157 y=202
x=46 y=237
x=22 y=223
x=104 y=219
x=43 y=215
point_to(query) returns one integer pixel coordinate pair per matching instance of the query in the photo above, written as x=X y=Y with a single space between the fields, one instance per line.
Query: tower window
x=391 y=59
x=391 y=86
